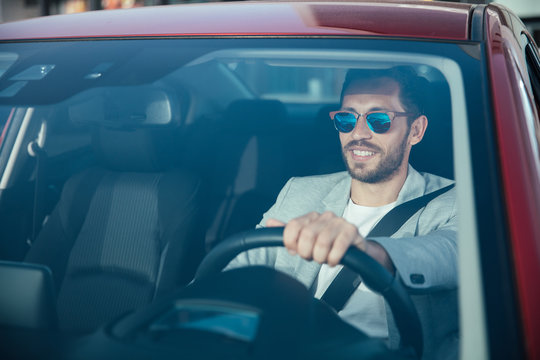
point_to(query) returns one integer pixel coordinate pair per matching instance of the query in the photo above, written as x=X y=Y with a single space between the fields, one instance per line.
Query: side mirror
x=27 y=296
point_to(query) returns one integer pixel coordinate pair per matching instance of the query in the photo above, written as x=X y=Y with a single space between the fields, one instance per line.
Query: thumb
x=274 y=223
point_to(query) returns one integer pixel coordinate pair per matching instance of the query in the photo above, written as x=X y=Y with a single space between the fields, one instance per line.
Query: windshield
x=188 y=84
x=243 y=116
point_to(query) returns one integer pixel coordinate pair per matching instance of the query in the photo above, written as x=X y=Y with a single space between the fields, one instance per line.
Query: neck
x=378 y=194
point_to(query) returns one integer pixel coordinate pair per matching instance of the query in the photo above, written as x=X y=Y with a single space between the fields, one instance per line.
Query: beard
x=384 y=170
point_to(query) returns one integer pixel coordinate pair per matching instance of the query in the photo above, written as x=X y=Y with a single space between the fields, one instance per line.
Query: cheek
x=389 y=143
x=397 y=142
x=343 y=139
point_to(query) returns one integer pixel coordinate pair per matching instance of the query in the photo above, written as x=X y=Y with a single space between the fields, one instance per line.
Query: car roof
x=419 y=19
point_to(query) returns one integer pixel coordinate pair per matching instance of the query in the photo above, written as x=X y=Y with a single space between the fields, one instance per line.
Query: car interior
x=126 y=188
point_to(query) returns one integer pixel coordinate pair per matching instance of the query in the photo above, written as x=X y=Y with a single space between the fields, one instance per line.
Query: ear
x=418 y=129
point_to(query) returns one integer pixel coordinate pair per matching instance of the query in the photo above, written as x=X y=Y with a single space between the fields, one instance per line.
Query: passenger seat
x=124 y=232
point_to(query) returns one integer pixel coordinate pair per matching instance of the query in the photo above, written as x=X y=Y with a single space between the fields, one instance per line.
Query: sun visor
x=124 y=107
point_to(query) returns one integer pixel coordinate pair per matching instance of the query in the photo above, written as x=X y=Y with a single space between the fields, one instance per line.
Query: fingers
x=345 y=238
x=274 y=223
x=292 y=232
x=321 y=237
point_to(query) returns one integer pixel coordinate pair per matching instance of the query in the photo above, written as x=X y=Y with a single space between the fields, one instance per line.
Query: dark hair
x=412 y=86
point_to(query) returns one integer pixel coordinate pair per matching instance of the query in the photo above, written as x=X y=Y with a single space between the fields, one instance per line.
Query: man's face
x=371 y=157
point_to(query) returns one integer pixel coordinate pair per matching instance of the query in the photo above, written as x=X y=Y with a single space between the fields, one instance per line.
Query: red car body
x=504 y=41
x=448 y=21
x=518 y=167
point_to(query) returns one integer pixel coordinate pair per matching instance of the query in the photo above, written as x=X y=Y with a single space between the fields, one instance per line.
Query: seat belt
x=346 y=281
x=36 y=149
x=41 y=158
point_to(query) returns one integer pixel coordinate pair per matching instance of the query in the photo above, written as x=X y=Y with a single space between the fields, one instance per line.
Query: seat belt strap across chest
x=346 y=281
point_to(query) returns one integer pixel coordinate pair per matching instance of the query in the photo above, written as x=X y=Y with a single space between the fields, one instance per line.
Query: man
x=379 y=122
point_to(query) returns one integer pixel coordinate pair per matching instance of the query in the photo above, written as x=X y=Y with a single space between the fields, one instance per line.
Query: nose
x=361 y=129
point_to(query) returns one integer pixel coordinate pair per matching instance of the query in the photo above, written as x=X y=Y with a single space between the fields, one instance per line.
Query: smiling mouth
x=363 y=153
x=361 y=156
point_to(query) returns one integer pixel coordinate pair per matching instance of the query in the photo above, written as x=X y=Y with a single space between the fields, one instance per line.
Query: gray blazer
x=423 y=250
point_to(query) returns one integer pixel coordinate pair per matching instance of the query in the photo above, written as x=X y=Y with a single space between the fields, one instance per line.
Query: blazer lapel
x=338 y=197
x=414 y=186
x=335 y=201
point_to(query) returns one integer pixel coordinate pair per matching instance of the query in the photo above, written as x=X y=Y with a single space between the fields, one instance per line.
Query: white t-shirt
x=365 y=310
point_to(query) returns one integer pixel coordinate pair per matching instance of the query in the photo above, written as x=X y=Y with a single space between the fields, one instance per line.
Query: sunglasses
x=378 y=121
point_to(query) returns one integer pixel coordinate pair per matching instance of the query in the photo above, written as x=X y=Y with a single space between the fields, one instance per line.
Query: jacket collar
x=414 y=186
x=337 y=199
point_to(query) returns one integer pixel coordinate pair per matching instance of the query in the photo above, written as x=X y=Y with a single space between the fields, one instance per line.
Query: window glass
x=154 y=83
x=5 y=112
x=166 y=82
x=529 y=109
x=6 y=60
x=533 y=66
x=289 y=83
x=245 y=115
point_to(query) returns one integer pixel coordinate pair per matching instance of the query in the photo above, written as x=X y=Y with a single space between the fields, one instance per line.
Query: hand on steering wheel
x=372 y=273
x=326 y=237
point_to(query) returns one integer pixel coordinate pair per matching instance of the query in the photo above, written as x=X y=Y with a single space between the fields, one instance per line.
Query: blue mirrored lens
x=344 y=121
x=378 y=122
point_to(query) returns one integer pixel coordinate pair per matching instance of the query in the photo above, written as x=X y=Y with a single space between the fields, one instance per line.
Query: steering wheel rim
x=372 y=273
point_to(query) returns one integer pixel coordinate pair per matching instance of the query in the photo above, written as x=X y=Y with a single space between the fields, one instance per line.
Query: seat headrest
x=134 y=126
x=126 y=107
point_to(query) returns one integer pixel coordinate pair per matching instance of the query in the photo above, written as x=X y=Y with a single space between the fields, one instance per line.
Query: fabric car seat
x=124 y=232
x=251 y=165
x=328 y=149
x=438 y=135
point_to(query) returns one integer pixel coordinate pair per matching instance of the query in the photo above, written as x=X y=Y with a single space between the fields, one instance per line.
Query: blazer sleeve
x=427 y=260
x=262 y=256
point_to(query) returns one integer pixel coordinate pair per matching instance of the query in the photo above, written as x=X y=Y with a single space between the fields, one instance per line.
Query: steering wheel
x=373 y=274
